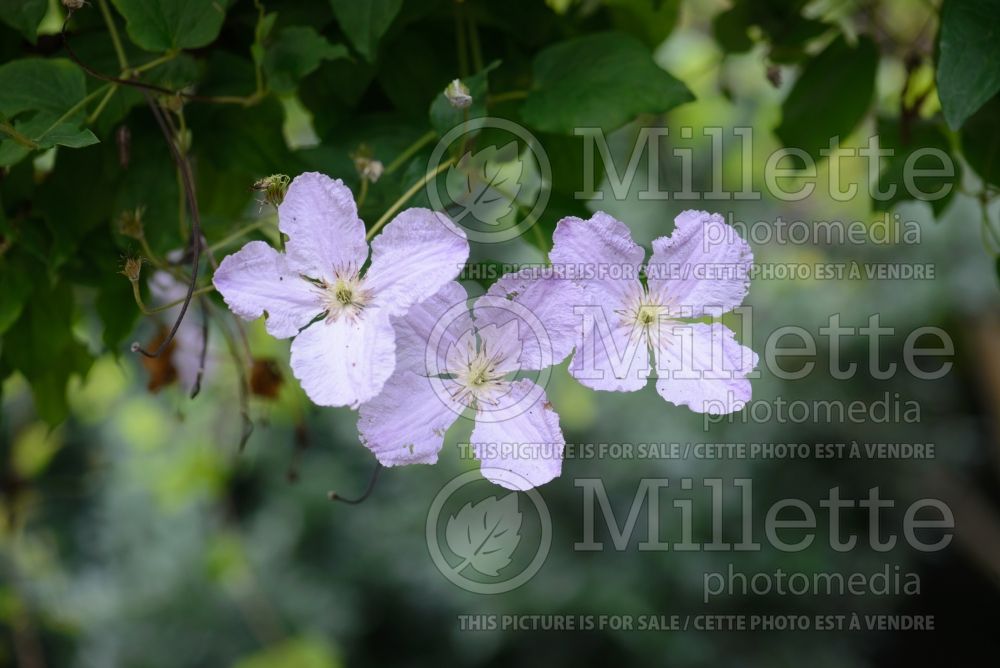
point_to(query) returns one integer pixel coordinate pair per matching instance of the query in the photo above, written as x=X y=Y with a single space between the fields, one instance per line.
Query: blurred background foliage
x=134 y=529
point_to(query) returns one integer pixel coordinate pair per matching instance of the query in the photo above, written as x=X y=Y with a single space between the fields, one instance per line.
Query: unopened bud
x=366 y=166
x=274 y=188
x=458 y=94
x=74 y=4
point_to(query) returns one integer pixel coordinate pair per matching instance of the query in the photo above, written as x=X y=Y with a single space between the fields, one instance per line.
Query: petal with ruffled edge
x=544 y=306
x=406 y=423
x=414 y=257
x=611 y=357
x=524 y=450
x=345 y=363
x=703 y=367
x=257 y=280
x=324 y=232
x=428 y=330
x=600 y=253
x=704 y=264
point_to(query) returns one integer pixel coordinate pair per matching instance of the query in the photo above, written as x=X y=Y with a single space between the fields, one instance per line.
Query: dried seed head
x=458 y=94
x=130 y=223
x=265 y=378
x=274 y=188
x=132 y=268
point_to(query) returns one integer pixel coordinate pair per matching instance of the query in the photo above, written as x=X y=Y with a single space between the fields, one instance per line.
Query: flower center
x=345 y=297
x=479 y=379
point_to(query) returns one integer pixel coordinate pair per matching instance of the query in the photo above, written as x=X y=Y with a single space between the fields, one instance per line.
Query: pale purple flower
x=452 y=360
x=348 y=347
x=701 y=270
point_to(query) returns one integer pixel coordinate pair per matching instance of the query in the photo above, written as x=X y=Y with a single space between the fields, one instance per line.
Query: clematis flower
x=340 y=315
x=700 y=270
x=452 y=360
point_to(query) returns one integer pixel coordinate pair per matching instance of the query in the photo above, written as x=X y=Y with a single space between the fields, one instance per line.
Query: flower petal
x=257 y=280
x=324 y=232
x=345 y=362
x=703 y=264
x=525 y=450
x=414 y=256
x=703 y=367
x=428 y=330
x=545 y=307
x=611 y=356
x=190 y=337
x=601 y=253
x=406 y=423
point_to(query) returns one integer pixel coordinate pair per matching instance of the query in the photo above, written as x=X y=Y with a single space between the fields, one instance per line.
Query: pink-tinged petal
x=416 y=254
x=600 y=253
x=610 y=356
x=257 y=280
x=546 y=308
x=704 y=266
x=428 y=330
x=525 y=450
x=406 y=423
x=703 y=367
x=345 y=362
x=324 y=232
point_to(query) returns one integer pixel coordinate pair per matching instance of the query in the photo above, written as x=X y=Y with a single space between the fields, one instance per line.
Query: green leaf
x=730 y=30
x=603 y=80
x=298 y=52
x=42 y=347
x=918 y=135
x=42 y=94
x=650 y=21
x=365 y=22
x=37 y=84
x=830 y=97
x=981 y=141
x=15 y=286
x=24 y=15
x=163 y=25
x=968 y=70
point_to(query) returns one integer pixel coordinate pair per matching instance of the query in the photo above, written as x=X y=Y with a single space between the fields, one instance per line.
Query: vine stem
x=410 y=151
x=238 y=234
x=163 y=307
x=116 y=40
x=405 y=197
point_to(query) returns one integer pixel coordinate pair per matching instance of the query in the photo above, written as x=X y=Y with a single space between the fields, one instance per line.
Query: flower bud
x=73 y=4
x=367 y=167
x=458 y=94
